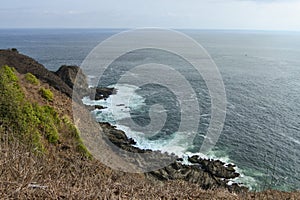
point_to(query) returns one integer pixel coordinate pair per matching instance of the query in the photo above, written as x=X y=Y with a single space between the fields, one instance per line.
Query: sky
x=181 y=14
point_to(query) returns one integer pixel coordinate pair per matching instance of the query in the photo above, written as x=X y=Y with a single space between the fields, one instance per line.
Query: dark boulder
x=99 y=107
x=193 y=159
x=102 y=93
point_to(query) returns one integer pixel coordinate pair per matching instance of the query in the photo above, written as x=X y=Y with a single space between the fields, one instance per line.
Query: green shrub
x=28 y=122
x=46 y=94
x=74 y=134
x=31 y=123
x=32 y=79
x=83 y=150
x=10 y=95
x=48 y=122
x=8 y=73
x=16 y=114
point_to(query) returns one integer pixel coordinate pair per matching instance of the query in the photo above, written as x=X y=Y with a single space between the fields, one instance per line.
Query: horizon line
x=122 y=28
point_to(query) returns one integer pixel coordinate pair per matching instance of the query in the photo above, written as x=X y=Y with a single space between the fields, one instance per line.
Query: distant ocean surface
x=261 y=74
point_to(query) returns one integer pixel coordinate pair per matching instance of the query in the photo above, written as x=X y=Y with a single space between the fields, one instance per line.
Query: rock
x=71 y=73
x=131 y=141
x=192 y=174
x=14 y=50
x=230 y=167
x=160 y=175
x=119 y=138
x=237 y=188
x=99 y=107
x=176 y=165
x=215 y=167
x=103 y=93
x=193 y=159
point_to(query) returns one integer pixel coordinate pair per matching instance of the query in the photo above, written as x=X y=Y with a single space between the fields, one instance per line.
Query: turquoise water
x=261 y=74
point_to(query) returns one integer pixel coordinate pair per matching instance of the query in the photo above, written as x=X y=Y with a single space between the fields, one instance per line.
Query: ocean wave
x=118 y=107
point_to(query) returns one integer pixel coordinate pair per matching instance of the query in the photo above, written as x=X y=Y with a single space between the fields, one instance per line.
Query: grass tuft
x=30 y=78
x=46 y=94
x=75 y=135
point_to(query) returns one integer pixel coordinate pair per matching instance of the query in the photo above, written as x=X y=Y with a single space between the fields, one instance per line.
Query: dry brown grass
x=61 y=102
x=61 y=174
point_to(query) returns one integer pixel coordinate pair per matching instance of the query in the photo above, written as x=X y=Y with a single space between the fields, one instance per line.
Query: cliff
x=24 y=64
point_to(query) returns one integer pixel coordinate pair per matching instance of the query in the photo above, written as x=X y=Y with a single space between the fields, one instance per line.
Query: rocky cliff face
x=70 y=74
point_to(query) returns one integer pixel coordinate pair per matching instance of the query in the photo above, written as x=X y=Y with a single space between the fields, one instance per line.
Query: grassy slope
x=42 y=156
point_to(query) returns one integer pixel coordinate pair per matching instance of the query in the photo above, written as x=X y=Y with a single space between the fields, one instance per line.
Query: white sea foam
x=118 y=107
x=177 y=144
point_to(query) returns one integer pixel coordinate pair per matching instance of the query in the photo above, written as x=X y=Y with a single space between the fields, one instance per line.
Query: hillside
x=42 y=155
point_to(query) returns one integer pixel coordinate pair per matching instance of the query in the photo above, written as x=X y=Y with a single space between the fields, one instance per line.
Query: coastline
x=207 y=173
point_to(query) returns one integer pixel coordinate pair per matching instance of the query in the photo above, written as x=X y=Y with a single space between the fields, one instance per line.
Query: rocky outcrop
x=103 y=93
x=215 y=167
x=70 y=74
x=119 y=138
x=196 y=174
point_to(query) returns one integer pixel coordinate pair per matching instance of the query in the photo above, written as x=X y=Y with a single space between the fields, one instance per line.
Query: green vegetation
x=74 y=133
x=32 y=79
x=31 y=123
x=46 y=94
x=48 y=122
x=16 y=114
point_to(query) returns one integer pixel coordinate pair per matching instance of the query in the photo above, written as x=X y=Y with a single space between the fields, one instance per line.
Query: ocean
x=261 y=75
